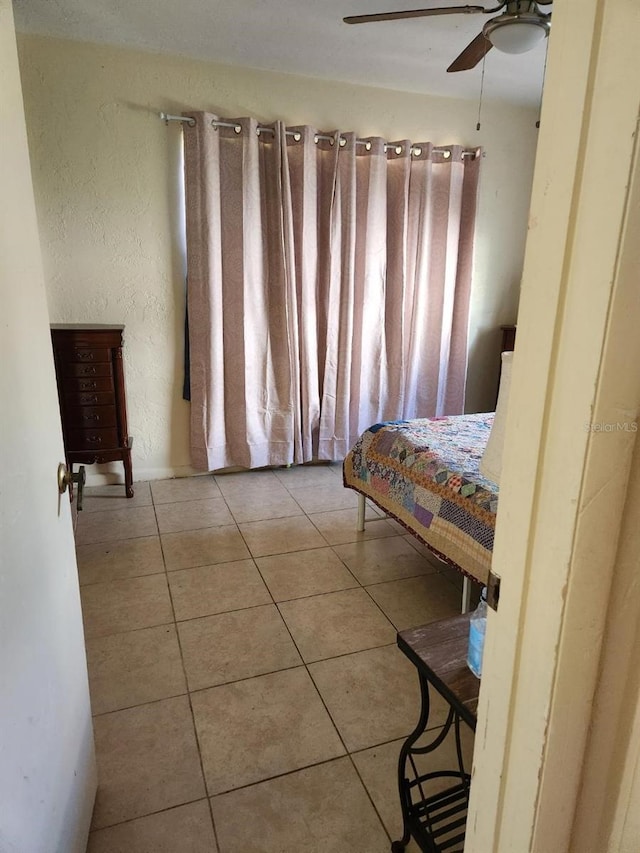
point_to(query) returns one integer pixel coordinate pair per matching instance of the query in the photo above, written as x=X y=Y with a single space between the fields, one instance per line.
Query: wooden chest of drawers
x=508 y=338
x=91 y=391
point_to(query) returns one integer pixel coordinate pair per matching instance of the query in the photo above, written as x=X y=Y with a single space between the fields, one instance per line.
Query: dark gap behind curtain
x=370 y=289
x=186 y=384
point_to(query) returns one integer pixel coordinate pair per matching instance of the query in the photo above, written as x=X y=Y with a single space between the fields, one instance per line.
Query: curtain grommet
x=367 y=146
x=297 y=137
x=343 y=142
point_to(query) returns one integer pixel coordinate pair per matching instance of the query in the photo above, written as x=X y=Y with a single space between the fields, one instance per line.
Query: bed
x=424 y=473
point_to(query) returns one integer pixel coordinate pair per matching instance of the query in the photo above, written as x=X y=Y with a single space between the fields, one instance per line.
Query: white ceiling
x=301 y=37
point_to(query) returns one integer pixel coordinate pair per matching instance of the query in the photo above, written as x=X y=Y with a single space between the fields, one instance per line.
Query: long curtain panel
x=328 y=287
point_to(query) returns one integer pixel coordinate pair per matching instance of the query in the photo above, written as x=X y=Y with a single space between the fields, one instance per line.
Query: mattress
x=424 y=473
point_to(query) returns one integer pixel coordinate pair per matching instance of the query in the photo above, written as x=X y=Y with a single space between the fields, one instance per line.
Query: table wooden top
x=439 y=651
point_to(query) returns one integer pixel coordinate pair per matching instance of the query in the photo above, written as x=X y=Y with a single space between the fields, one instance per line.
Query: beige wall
x=106 y=175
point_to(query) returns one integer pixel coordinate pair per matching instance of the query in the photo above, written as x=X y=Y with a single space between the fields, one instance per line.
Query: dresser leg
x=128 y=472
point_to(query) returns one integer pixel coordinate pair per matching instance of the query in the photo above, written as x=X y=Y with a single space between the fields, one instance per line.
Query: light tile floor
x=247 y=692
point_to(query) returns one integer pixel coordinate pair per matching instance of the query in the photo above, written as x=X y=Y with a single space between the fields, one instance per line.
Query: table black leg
x=463 y=773
x=403 y=782
x=435 y=802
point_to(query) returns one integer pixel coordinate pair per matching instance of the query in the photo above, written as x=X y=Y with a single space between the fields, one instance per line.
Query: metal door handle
x=66 y=478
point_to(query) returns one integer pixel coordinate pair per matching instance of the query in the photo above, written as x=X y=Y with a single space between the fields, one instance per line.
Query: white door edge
x=557 y=493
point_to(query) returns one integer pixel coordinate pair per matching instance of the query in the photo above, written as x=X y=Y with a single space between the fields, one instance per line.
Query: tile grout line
x=92 y=637
x=349 y=753
x=186 y=681
x=375 y=808
x=371 y=598
x=328 y=712
x=304 y=663
x=299 y=665
x=278 y=776
x=175 y=623
x=361 y=585
x=138 y=705
x=149 y=814
x=350 y=757
x=333 y=722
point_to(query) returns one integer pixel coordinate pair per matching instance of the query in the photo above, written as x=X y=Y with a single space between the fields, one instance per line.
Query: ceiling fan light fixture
x=516 y=35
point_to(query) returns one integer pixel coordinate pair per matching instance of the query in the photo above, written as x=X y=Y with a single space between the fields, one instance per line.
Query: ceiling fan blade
x=414 y=13
x=472 y=54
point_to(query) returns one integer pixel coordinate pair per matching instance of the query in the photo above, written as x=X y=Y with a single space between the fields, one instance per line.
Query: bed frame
x=466 y=582
x=424 y=474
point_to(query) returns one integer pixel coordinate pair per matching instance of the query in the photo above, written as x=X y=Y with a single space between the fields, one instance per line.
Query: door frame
x=564 y=485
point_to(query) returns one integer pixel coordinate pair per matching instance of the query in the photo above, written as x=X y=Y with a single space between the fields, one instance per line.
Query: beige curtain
x=328 y=288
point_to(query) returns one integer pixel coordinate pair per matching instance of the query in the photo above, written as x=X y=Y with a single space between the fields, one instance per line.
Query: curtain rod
x=167 y=117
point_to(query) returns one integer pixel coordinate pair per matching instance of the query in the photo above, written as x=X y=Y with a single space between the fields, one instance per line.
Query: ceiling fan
x=520 y=27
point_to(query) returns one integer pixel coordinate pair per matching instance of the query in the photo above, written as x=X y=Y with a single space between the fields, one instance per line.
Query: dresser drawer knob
x=89 y=398
x=85 y=356
x=94 y=418
x=94 y=439
x=88 y=370
x=88 y=386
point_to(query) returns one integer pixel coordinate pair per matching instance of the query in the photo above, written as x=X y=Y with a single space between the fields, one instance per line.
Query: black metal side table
x=436 y=820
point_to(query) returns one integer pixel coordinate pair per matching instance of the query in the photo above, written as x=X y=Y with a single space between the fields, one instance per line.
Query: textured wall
x=106 y=174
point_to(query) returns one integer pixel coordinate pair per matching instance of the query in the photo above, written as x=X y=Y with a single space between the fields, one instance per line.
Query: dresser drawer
x=92 y=439
x=90 y=416
x=91 y=356
x=91 y=390
x=89 y=398
x=97 y=383
x=71 y=369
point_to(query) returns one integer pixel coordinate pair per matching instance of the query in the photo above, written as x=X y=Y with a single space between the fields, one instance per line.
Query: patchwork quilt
x=424 y=473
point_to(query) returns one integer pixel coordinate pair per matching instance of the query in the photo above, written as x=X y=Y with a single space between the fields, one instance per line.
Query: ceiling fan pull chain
x=484 y=59
x=544 y=74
